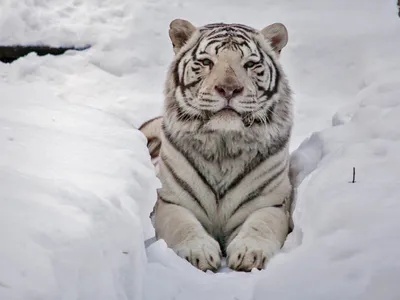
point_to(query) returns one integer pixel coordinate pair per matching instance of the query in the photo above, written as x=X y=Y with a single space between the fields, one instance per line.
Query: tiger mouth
x=228 y=110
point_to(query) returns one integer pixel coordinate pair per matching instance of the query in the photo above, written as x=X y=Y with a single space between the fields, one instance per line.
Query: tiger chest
x=221 y=162
x=220 y=175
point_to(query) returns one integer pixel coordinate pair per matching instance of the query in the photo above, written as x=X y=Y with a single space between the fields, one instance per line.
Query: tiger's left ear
x=277 y=34
x=179 y=32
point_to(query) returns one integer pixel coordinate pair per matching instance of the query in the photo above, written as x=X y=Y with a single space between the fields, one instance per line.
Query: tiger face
x=226 y=71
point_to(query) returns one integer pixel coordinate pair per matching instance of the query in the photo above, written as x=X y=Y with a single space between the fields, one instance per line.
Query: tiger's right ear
x=277 y=34
x=179 y=32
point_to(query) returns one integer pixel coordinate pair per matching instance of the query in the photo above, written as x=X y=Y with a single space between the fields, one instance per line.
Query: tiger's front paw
x=203 y=252
x=247 y=252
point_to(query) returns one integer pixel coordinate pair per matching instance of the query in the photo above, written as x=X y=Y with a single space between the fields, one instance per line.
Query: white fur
x=259 y=239
x=199 y=160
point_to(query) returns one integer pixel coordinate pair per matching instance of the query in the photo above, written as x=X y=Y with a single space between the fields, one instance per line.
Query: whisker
x=272 y=112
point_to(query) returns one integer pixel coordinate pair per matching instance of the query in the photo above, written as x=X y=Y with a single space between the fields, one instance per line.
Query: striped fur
x=151 y=129
x=223 y=161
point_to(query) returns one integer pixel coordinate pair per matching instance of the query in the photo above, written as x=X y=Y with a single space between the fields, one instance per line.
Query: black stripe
x=244 y=35
x=212 y=42
x=224 y=28
x=248 y=102
x=236 y=45
x=260 y=88
x=245 y=44
x=273 y=72
x=219 y=36
x=224 y=25
x=154 y=145
x=183 y=184
x=260 y=53
x=231 y=31
x=176 y=69
x=213 y=25
x=209 y=100
x=182 y=80
x=195 y=48
x=225 y=35
x=167 y=201
x=258 y=160
x=178 y=62
x=186 y=100
x=176 y=74
x=205 y=106
x=191 y=162
x=222 y=45
x=258 y=191
x=244 y=27
x=272 y=92
x=192 y=84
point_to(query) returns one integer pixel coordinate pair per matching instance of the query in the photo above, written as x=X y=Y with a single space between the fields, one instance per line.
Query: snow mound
x=77 y=185
x=77 y=181
x=64 y=22
x=346 y=234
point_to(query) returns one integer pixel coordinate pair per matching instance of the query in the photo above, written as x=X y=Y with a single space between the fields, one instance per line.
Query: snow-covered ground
x=77 y=184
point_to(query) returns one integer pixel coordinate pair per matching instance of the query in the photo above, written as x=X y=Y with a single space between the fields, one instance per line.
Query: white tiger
x=222 y=144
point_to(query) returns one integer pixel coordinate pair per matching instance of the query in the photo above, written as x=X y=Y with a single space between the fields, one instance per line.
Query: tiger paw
x=203 y=252
x=245 y=253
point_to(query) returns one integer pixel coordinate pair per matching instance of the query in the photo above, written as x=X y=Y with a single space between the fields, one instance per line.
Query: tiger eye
x=249 y=64
x=206 y=62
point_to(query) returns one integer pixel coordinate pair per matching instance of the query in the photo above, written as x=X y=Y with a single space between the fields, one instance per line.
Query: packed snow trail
x=77 y=184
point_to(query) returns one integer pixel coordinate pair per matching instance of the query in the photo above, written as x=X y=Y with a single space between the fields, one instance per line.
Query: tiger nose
x=229 y=91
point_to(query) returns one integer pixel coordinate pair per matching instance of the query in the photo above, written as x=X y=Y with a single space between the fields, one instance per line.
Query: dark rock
x=8 y=54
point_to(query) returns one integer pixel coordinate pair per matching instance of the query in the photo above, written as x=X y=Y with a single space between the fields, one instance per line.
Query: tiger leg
x=260 y=237
x=186 y=236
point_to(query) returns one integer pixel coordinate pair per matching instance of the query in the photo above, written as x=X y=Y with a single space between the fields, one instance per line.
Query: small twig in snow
x=354 y=176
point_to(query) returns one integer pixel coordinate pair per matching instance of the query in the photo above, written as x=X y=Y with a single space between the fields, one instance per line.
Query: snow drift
x=72 y=183
x=77 y=184
x=347 y=233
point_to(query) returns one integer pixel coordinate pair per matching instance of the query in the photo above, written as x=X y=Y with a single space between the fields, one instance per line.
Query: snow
x=77 y=183
x=349 y=229
x=74 y=183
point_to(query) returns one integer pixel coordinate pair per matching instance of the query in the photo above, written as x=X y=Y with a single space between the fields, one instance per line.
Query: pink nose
x=229 y=91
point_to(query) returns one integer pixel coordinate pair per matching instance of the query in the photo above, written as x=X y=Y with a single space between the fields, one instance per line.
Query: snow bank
x=77 y=183
x=64 y=22
x=347 y=233
x=71 y=180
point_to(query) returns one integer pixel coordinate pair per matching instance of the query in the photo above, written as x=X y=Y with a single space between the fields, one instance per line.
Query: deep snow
x=77 y=184
x=73 y=181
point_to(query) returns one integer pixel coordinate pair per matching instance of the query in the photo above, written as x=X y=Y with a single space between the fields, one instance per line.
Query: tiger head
x=226 y=73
